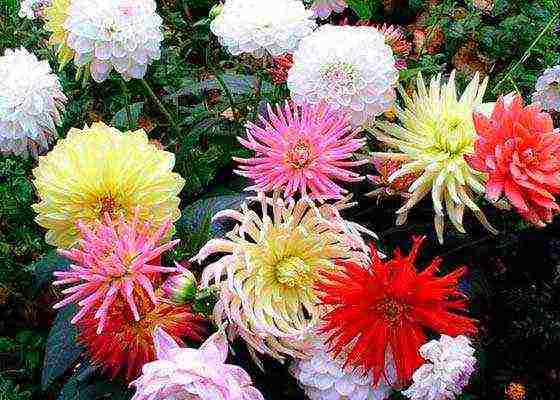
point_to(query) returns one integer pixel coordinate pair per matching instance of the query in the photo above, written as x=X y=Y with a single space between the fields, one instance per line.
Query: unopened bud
x=180 y=287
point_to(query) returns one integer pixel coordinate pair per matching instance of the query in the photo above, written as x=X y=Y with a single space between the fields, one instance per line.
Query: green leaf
x=62 y=349
x=44 y=268
x=120 y=120
x=236 y=84
x=364 y=8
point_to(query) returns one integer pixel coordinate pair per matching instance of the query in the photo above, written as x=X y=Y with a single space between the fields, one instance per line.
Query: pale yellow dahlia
x=275 y=255
x=436 y=131
x=101 y=170
x=55 y=15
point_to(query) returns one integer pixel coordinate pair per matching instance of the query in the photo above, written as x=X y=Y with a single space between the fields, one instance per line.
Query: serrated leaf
x=44 y=268
x=120 y=119
x=62 y=350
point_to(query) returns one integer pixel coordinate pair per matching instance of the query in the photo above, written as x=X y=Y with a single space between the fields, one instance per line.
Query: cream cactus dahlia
x=103 y=35
x=273 y=258
x=31 y=100
x=260 y=26
x=435 y=134
x=323 y=377
x=351 y=68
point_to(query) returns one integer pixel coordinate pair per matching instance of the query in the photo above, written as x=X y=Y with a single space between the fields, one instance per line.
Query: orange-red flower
x=518 y=148
x=386 y=307
x=126 y=344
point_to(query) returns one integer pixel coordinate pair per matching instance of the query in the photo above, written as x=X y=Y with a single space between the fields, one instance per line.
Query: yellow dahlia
x=101 y=170
x=436 y=131
x=55 y=15
x=276 y=253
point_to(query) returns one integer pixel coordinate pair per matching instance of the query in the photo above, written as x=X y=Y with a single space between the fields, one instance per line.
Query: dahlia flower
x=180 y=287
x=266 y=279
x=260 y=26
x=32 y=9
x=55 y=16
x=387 y=306
x=200 y=374
x=302 y=149
x=114 y=259
x=384 y=187
x=449 y=365
x=547 y=89
x=518 y=148
x=435 y=133
x=323 y=377
x=394 y=37
x=278 y=71
x=350 y=68
x=323 y=8
x=104 y=170
x=31 y=100
x=125 y=345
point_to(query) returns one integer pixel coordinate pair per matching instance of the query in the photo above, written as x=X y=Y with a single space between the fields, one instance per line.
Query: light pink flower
x=193 y=374
x=113 y=258
x=302 y=149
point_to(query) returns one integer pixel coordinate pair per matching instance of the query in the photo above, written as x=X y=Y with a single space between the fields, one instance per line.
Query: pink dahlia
x=302 y=148
x=182 y=373
x=114 y=259
x=518 y=148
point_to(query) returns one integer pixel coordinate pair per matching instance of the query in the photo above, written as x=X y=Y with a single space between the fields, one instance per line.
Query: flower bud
x=180 y=287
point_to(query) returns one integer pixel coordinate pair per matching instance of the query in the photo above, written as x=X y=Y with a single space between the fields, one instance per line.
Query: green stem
x=221 y=83
x=525 y=56
x=127 y=105
x=161 y=107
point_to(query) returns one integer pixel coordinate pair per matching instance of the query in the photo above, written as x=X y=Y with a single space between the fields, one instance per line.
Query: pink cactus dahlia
x=518 y=148
x=182 y=373
x=302 y=148
x=114 y=258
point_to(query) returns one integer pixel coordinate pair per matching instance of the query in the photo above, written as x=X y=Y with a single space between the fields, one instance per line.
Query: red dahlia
x=126 y=344
x=386 y=307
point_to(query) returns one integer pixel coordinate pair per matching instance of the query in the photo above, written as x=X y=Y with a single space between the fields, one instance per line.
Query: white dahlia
x=323 y=377
x=323 y=8
x=259 y=26
x=31 y=100
x=32 y=8
x=120 y=34
x=351 y=68
x=547 y=89
x=450 y=363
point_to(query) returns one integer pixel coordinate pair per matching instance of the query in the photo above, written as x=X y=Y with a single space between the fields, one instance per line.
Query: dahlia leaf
x=44 y=268
x=120 y=119
x=62 y=350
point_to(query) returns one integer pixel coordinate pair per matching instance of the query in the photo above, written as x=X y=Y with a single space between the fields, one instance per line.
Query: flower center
x=300 y=155
x=292 y=271
x=340 y=78
x=108 y=205
x=391 y=309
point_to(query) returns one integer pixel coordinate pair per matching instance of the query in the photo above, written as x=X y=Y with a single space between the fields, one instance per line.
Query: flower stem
x=127 y=101
x=160 y=105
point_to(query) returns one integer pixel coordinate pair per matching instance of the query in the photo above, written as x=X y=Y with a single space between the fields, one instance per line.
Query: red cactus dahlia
x=386 y=307
x=126 y=344
x=518 y=148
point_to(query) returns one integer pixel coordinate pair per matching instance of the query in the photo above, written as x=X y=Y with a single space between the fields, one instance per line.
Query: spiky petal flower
x=350 y=68
x=125 y=345
x=55 y=16
x=266 y=279
x=98 y=170
x=302 y=149
x=32 y=9
x=262 y=26
x=124 y=35
x=388 y=305
x=435 y=133
x=323 y=8
x=115 y=259
x=547 y=89
x=384 y=187
x=449 y=365
x=31 y=100
x=200 y=374
x=518 y=148
x=323 y=377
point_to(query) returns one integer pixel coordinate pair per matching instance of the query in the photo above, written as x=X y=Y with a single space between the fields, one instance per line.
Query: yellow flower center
x=391 y=309
x=293 y=271
x=299 y=156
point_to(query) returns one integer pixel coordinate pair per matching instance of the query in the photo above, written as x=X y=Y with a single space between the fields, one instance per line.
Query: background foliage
x=515 y=277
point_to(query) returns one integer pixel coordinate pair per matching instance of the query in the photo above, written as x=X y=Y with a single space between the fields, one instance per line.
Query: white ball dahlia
x=259 y=26
x=31 y=100
x=323 y=8
x=32 y=8
x=351 y=68
x=322 y=377
x=120 y=34
x=450 y=363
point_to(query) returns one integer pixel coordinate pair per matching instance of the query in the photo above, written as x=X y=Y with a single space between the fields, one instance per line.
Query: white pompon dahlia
x=351 y=68
x=450 y=363
x=323 y=377
x=31 y=100
x=260 y=26
x=32 y=8
x=120 y=34
x=323 y=8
